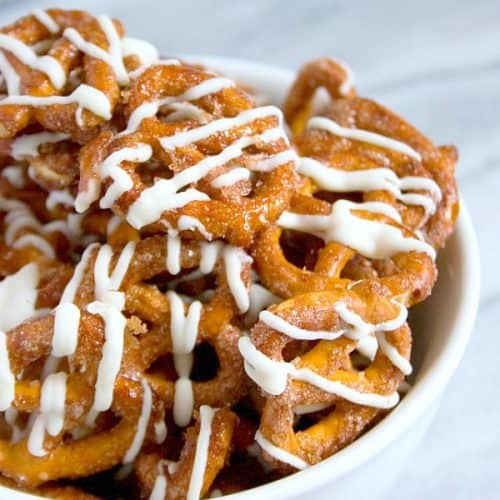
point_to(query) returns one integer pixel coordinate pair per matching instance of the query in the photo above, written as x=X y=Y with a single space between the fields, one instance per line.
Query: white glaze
x=260 y=298
x=187 y=222
x=85 y=96
x=44 y=18
x=337 y=180
x=370 y=238
x=113 y=56
x=184 y=332
x=334 y=128
x=231 y=177
x=272 y=376
x=142 y=424
x=59 y=197
x=234 y=259
x=280 y=454
x=27 y=145
x=9 y=75
x=48 y=65
x=201 y=454
x=292 y=331
x=174 y=247
x=151 y=108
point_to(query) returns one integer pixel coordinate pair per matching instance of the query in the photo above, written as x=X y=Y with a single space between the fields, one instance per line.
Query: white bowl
x=441 y=327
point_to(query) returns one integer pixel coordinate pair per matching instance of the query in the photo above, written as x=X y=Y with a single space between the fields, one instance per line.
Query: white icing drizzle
x=184 y=332
x=48 y=65
x=44 y=18
x=234 y=258
x=370 y=238
x=210 y=252
x=109 y=304
x=15 y=175
x=160 y=486
x=122 y=182
x=232 y=177
x=52 y=411
x=85 y=96
x=71 y=288
x=10 y=76
x=260 y=298
x=112 y=352
x=113 y=56
x=151 y=108
x=187 y=111
x=280 y=454
x=18 y=295
x=294 y=332
x=186 y=222
x=59 y=197
x=363 y=135
x=221 y=125
x=161 y=431
x=272 y=376
x=20 y=218
x=66 y=325
x=337 y=180
x=174 y=247
x=147 y=52
x=274 y=161
x=27 y=145
x=142 y=424
x=201 y=453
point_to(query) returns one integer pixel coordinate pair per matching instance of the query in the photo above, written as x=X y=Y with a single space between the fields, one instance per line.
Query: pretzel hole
x=206 y=363
x=299 y=249
x=296 y=348
x=164 y=366
x=332 y=197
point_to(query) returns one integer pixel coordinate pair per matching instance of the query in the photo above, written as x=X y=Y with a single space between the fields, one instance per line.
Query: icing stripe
x=363 y=135
x=280 y=454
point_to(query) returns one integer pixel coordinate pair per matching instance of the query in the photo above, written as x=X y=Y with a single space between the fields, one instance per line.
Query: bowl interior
x=441 y=325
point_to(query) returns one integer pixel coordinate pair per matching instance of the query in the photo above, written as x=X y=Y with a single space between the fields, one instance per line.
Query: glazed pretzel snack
x=177 y=326
x=319 y=332
x=355 y=145
x=190 y=477
x=191 y=304
x=358 y=243
x=211 y=156
x=63 y=70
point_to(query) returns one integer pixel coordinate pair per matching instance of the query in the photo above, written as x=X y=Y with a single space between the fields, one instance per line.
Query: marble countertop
x=438 y=64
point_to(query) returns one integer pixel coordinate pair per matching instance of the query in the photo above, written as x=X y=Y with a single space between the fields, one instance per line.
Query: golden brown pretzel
x=410 y=275
x=107 y=444
x=233 y=212
x=342 y=420
x=96 y=73
x=149 y=466
x=435 y=164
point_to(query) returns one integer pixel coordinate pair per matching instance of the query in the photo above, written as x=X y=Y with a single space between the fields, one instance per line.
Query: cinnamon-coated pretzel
x=339 y=420
x=409 y=275
x=169 y=316
x=233 y=137
x=193 y=304
x=154 y=473
x=107 y=445
x=407 y=170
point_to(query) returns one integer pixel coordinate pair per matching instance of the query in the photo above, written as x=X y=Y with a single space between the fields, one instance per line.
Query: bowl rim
x=426 y=390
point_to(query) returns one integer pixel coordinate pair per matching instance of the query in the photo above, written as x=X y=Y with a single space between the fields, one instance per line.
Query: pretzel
x=63 y=457
x=408 y=274
x=209 y=322
x=192 y=303
x=326 y=328
x=190 y=476
x=207 y=158
x=395 y=163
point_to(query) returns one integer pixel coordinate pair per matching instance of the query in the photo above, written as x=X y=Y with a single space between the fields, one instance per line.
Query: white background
x=437 y=63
